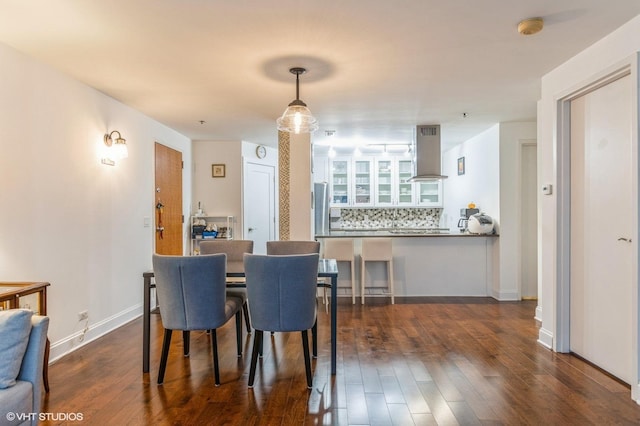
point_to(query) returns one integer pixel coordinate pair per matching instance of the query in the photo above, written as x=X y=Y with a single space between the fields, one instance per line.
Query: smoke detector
x=530 y=26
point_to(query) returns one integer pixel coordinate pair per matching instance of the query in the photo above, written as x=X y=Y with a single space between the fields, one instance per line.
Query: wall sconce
x=116 y=148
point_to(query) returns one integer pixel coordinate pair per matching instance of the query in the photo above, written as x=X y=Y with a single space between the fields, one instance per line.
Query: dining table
x=327 y=268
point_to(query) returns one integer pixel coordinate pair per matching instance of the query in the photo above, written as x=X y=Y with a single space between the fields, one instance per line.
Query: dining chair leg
x=214 y=347
x=165 y=354
x=257 y=340
x=307 y=361
x=314 y=338
x=186 y=341
x=247 y=321
x=239 y=332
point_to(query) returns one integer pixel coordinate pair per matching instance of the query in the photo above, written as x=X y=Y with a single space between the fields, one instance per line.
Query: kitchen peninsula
x=427 y=260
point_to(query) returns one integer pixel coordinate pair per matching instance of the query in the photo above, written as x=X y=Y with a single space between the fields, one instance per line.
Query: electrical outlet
x=83 y=315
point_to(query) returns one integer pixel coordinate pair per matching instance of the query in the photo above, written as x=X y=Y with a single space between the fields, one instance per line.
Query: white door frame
x=561 y=342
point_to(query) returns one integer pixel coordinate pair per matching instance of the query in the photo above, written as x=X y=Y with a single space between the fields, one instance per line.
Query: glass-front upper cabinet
x=430 y=193
x=363 y=179
x=404 y=186
x=340 y=181
x=384 y=182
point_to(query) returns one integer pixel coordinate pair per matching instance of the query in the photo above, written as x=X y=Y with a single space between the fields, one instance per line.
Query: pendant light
x=297 y=118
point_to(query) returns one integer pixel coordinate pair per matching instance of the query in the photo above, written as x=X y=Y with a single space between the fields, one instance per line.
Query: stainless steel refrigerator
x=321 y=207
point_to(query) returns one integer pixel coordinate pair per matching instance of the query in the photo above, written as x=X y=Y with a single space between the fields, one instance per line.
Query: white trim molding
x=91 y=332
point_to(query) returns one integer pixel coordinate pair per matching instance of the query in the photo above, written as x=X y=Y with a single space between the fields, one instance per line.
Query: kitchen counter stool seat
x=341 y=249
x=377 y=250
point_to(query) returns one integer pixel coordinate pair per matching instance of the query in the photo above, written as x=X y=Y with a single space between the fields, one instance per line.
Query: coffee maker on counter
x=465 y=214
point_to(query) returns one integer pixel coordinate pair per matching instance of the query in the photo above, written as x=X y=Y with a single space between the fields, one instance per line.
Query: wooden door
x=168 y=200
x=601 y=226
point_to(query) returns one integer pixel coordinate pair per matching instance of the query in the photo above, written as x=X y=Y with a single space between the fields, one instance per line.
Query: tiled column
x=294 y=171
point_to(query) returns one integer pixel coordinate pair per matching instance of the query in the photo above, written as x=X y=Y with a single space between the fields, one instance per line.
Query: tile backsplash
x=398 y=217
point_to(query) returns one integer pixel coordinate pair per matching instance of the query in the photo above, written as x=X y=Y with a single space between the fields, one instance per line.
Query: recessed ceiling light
x=530 y=26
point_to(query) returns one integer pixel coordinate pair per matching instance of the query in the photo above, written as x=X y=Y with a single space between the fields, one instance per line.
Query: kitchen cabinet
x=405 y=189
x=384 y=191
x=351 y=182
x=430 y=193
x=363 y=179
x=391 y=183
x=340 y=182
x=210 y=227
x=370 y=181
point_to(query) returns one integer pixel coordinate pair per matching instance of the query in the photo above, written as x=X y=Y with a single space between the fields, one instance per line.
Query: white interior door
x=259 y=205
x=528 y=221
x=601 y=226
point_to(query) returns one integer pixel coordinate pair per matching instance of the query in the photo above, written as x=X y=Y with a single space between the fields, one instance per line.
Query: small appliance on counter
x=465 y=214
x=480 y=223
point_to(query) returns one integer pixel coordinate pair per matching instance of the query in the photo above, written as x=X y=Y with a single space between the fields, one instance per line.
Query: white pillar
x=295 y=186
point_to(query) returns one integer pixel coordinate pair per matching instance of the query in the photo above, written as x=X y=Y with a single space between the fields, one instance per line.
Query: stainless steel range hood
x=428 y=154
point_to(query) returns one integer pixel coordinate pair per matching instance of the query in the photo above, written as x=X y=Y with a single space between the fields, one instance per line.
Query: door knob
x=251 y=229
x=624 y=239
x=160 y=229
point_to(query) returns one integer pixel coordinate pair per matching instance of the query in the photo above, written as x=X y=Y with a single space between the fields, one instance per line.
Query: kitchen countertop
x=400 y=232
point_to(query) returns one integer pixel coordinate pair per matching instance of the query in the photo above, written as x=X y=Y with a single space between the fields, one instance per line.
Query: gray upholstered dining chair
x=193 y=294
x=292 y=247
x=282 y=290
x=235 y=250
x=288 y=247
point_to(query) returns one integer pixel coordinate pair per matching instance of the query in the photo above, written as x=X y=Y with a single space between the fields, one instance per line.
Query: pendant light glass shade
x=297 y=118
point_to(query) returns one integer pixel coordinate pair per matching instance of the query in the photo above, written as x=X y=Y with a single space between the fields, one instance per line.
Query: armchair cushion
x=15 y=328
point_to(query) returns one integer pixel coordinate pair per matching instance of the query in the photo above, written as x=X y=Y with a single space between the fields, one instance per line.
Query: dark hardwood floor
x=429 y=361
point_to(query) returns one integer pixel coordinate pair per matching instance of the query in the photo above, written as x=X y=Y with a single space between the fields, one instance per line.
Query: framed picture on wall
x=218 y=170
x=460 y=166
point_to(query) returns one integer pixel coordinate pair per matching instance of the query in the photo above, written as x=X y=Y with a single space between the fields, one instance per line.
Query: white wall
x=491 y=181
x=511 y=136
x=65 y=217
x=571 y=75
x=301 y=188
x=218 y=196
x=481 y=182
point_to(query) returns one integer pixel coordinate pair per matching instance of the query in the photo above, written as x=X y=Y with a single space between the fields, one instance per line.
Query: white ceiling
x=376 y=68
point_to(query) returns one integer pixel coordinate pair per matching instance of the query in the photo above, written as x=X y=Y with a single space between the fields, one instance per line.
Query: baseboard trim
x=80 y=338
x=505 y=296
x=538 y=314
x=545 y=338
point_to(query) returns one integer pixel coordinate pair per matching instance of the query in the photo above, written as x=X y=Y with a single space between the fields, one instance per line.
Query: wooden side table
x=11 y=292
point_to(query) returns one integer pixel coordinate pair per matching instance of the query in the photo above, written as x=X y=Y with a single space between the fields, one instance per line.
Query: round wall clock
x=261 y=151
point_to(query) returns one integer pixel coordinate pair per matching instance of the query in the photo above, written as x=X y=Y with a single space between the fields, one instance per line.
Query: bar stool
x=377 y=250
x=341 y=249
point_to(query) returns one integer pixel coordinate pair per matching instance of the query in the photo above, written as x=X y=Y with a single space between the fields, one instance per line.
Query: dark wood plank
x=422 y=361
